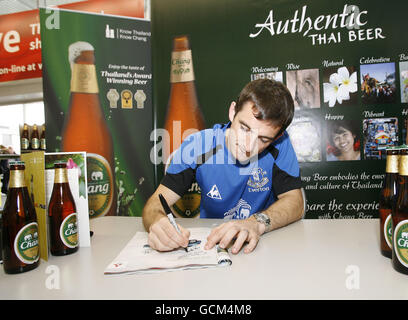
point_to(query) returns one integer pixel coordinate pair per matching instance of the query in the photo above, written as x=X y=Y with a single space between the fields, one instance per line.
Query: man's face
x=248 y=136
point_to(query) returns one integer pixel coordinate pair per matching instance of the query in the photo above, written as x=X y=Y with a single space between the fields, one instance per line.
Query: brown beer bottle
x=63 y=222
x=400 y=217
x=183 y=118
x=43 y=144
x=21 y=250
x=35 y=138
x=388 y=198
x=85 y=129
x=25 y=142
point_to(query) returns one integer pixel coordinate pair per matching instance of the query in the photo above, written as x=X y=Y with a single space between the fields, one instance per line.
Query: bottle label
x=392 y=164
x=83 y=78
x=100 y=185
x=69 y=231
x=17 y=179
x=181 y=66
x=43 y=145
x=403 y=165
x=388 y=230
x=60 y=175
x=401 y=242
x=24 y=143
x=35 y=143
x=26 y=244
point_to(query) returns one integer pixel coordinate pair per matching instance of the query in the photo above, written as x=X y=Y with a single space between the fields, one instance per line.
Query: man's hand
x=164 y=237
x=248 y=230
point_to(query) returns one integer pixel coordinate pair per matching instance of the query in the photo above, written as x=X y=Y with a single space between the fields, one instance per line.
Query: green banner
x=118 y=74
x=345 y=63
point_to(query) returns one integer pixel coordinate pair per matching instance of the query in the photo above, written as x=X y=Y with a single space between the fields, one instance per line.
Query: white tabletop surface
x=308 y=259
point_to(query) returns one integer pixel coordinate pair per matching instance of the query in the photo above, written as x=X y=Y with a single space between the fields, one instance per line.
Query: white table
x=305 y=260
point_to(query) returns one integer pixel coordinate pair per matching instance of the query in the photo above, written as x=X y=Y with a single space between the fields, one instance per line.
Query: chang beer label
x=26 y=245
x=401 y=242
x=181 y=66
x=392 y=164
x=100 y=185
x=388 y=230
x=43 y=144
x=69 y=231
x=188 y=206
x=83 y=78
x=35 y=143
x=24 y=144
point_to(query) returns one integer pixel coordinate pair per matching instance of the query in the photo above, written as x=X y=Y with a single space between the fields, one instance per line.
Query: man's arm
x=287 y=209
x=162 y=235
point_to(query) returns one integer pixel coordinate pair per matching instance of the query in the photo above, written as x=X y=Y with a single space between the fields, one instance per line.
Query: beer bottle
x=400 y=217
x=43 y=145
x=25 y=142
x=62 y=214
x=35 y=138
x=183 y=117
x=20 y=229
x=85 y=129
x=388 y=198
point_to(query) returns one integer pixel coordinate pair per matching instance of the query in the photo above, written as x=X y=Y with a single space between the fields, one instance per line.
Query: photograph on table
x=379 y=134
x=304 y=86
x=305 y=136
x=340 y=86
x=343 y=140
x=378 y=83
x=403 y=66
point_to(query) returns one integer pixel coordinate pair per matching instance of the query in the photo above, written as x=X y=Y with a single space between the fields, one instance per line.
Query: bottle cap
x=181 y=43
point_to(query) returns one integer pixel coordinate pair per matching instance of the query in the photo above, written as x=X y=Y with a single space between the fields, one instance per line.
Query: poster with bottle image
x=97 y=84
x=343 y=63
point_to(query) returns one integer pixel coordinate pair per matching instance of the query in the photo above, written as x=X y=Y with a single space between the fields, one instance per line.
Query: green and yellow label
x=401 y=242
x=35 y=143
x=100 y=185
x=388 y=230
x=69 y=231
x=26 y=244
x=24 y=144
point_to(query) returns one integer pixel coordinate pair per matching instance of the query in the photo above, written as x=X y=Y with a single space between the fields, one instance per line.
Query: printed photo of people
x=404 y=81
x=343 y=140
x=379 y=134
x=340 y=86
x=378 y=83
x=305 y=136
x=277 y=76
x=305 y=88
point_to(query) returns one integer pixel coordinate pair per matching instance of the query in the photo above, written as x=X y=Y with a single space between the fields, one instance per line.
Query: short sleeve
x=180 y=173
x=286 y=175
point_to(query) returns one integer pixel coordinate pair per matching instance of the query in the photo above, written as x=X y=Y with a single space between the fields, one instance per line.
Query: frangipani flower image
x=339 y=87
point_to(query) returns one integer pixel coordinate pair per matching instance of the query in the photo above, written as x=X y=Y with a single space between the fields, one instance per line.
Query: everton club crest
x=258 y=178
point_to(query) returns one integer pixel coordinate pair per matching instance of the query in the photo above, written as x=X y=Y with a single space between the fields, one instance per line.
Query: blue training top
x=230 y=189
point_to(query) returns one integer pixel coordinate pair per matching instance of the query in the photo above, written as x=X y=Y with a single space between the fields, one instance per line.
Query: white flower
x=340 y=86
x=330 y=91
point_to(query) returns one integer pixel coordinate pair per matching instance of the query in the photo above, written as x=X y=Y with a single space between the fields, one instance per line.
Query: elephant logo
x=97 y=175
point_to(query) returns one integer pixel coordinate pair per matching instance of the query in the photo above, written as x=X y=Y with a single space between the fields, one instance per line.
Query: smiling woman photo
x=343 y=141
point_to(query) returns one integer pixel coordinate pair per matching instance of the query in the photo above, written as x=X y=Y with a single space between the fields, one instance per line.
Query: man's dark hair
x=272 y=102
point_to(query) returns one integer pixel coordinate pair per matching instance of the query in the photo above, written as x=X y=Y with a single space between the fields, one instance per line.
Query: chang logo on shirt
x=241 y=211
x=258 y=180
